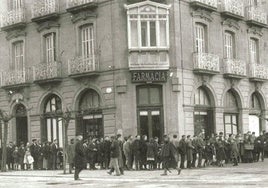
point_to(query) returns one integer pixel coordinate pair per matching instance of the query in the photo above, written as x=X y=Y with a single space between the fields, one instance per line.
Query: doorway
x=92 y=126
x=21 y=124
x=150 y=111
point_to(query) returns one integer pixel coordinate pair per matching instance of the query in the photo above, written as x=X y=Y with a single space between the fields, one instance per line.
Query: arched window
x=201 y=98
x=53 y=121
x=231 y=112
x=90 y=123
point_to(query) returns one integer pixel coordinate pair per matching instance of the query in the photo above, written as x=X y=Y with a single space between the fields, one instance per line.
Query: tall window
x=18 y=55
x=15 y=4
x=53 y=121
x=87 y=41
x=254 y=50
x=201 y=98
x=200 y=38
x=148 y=28
x=228 y=45
x=50 y=47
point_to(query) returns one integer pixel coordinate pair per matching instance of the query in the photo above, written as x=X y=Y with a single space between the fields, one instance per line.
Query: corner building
x=134 y=67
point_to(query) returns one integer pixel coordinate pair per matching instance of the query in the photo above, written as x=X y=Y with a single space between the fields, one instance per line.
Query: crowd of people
x=140 y=153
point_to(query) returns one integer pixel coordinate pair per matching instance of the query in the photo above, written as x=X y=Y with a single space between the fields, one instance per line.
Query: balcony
x=82 y=67
x=256 y=17
x=43 y=10
x=234 y=68
x=210 y=5
x=75 y=6
x=205 y=63
x=13 y=19
x=233 y=9
x=47 y=73
x=258 y=72
x=148 y=61
x=16 y=79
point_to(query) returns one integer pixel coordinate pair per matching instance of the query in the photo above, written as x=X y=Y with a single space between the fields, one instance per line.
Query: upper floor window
x=200 y=38
x=254 y=50
x=50 y=47
x=148 y=26
x=201 y=97
x=228 y=45
x=87 y=41
x=18 y=55
x=15 y=4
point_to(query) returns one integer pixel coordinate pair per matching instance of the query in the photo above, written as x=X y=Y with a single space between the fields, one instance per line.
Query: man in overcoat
x=79 y=157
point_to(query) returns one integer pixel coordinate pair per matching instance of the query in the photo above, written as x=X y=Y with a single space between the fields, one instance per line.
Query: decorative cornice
x=47 y=25
x=15 y=34
x=83 y=16
x=203 y=14
x=255 y=31
x=231 y=23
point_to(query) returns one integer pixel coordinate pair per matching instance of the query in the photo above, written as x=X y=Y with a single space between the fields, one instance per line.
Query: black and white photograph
x=134 y=93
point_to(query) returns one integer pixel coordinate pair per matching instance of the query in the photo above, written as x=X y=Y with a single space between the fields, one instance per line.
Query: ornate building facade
x=135 y=67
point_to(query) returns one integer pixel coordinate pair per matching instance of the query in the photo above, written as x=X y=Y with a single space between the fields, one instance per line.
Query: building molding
x=83 y=16
x=15 y=34
x=231 y=24
x=47 y=25
x=203 y=14
x=255 y=31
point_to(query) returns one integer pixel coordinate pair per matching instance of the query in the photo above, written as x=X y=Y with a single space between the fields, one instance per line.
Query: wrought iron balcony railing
x=258 y=72
x=148 y=61
x=13 y=17
x=235 y=68
x=77 y=5
x=233 y=7
x=47 y=72
x=206 y=63
x=44 y=7
x=208 y=4
x=14 y=78
x=256 y=15
x=80 y=66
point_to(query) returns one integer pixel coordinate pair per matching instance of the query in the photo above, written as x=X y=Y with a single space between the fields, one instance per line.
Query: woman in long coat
x=189 y=151
x=248 y=156
x=220 y=152
x=234 y=149
x=151 y=153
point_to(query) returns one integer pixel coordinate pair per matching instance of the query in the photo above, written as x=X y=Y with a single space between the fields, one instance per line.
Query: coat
x=71 y=153
x=190 y=148
x=182 y=147
x=115 y=149
x=151 y=151
x=79 y=156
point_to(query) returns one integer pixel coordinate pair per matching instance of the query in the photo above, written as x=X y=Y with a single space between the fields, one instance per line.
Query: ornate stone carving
x=47 y=25
x=83 y=16
x=203 y=14
x=255 y=31
x=231 y=23
x=15 y=34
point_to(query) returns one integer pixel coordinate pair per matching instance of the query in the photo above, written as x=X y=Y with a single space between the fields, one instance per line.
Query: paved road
x=246 y=175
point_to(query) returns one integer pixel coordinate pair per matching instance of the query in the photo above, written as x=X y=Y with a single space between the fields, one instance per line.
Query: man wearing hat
x=79 y=157
x=34 y=148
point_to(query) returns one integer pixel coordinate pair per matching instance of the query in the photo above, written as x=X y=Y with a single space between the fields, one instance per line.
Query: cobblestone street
x=246 y=175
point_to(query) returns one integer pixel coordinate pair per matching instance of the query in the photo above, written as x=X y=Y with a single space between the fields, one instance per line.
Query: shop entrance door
x=21 y=130
x=203 y=123
x=150 y=123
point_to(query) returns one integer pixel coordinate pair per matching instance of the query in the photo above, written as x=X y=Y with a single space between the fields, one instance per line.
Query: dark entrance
x=21 y=124
x=203 y=114
x=150 y=111
x=90 y=118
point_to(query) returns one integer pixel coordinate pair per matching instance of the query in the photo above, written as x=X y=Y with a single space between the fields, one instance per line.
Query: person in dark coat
x=167 y=154
x=54 y=152
x=92 y=153
x=101 y=153
x=10 y=159
x=46 y=154
x=220 y=150
x=233 y=149
x=106 y=148
x=190 y=148
x=115 y=152
x=34 y=149
x=182 y=150
x=70 y=154
x=136 y=152
x=21 y=155
x=143 y=151
x=151 y=153
x=79 y=157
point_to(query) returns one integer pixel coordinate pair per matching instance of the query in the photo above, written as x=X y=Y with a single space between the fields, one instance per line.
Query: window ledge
x=148 y=49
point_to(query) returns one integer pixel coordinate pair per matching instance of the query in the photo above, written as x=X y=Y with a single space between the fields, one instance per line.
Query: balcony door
x=150 y=111
x=18 y=56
